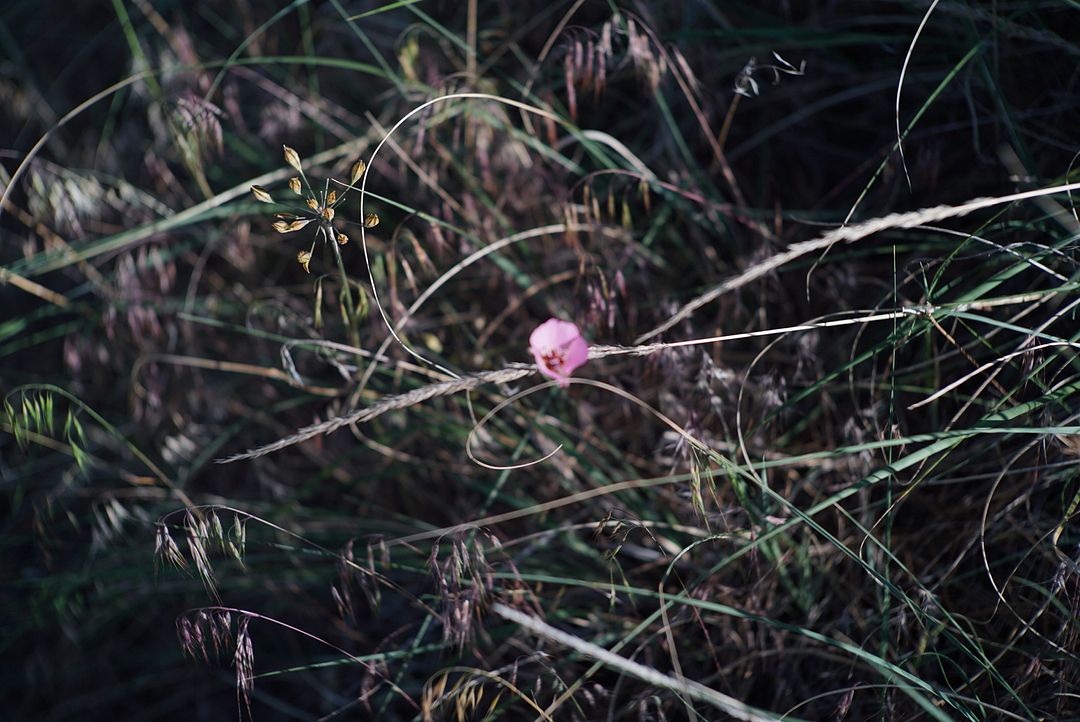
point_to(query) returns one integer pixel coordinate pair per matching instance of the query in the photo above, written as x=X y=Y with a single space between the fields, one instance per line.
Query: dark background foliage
x=176 y=337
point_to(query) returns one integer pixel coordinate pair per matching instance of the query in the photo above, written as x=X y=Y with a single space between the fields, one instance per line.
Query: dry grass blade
x=687 y=687
x=847 y=234
x=401 y=401
x=516 y=372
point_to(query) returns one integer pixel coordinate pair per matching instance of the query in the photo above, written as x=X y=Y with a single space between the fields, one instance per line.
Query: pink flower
x=558 y=349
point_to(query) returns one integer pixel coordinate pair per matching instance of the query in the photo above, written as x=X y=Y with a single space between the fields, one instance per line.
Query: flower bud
x=358 y=169
x=292 y=158
x=261 y=195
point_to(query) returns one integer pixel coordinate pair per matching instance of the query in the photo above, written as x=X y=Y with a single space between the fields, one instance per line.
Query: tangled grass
x=823 y=460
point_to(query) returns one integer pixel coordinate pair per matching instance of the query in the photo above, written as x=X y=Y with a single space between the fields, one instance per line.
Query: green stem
x=350 y=311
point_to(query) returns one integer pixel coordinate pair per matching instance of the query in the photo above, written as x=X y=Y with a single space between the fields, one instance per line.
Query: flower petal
x=577 y=353
x=558 y=348
x=553 y=333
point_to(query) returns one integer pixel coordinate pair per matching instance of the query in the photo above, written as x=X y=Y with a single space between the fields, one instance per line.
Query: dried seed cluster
x=320 y=207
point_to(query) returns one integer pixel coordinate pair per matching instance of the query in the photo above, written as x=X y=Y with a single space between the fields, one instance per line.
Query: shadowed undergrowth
x=821 y=464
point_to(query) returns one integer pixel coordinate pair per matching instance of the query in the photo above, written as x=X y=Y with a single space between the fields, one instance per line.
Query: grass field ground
x=274 y=445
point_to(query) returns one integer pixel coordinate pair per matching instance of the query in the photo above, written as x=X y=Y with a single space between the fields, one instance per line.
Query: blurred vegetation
x=782 y=518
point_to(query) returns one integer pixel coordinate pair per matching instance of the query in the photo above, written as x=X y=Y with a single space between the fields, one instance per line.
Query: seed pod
x=371 y=220
x=290 y=226
x=342 y=239
x=292 y=158
x=328 y=213
x=358 y=169
x=312 y=204
x=304 y=259
x=261 y=195
x=294 y=184
x=331 y=198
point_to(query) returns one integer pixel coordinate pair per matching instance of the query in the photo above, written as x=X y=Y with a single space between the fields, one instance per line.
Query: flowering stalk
x=319 y=208
x=350 y=311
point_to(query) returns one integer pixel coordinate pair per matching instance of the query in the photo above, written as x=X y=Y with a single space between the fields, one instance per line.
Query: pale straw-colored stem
x=847 y=234
x=680 y=686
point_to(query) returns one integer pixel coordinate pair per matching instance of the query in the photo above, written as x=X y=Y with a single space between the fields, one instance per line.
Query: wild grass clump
x=288 y=434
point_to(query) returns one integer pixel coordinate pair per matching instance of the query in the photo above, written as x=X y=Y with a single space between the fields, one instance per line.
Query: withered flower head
x=319 y=207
